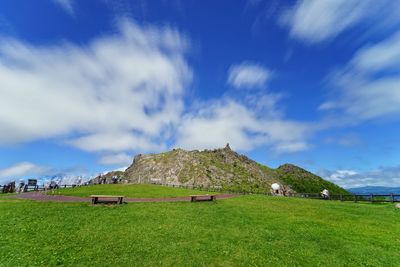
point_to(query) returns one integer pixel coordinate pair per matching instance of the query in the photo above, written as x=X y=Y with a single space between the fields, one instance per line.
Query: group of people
x=21 y=186
x=12 y=187
x=8 y=188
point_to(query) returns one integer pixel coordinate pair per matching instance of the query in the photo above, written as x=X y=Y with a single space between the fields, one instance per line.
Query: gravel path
x=39 y=196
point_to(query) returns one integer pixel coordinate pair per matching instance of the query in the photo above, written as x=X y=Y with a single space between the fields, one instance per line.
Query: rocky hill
x=221 y=168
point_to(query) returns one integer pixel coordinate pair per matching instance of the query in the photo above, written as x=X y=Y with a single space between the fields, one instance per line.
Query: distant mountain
x=375 y=190
x=222 y=168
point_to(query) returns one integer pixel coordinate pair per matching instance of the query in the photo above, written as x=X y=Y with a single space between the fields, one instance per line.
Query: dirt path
x=39 y=196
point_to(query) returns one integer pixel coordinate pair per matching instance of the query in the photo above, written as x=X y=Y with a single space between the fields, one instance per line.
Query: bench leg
x=212 y=198
x=192 y=199
x=120 y=200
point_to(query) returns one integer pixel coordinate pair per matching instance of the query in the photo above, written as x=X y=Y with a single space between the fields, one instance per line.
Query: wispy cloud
x=127 y=7
x=383 y=56
x=290 y=147
x=115 y=141
x=120 y=159
x=67 y=5
x=248 y=75
x=369 y=86
x=315 y=21
x=383 y=176
x=347 y=140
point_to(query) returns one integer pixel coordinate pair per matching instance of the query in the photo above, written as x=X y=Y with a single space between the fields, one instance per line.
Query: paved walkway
x=40 y=196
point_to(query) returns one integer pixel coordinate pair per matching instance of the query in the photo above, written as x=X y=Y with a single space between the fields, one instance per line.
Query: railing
x=353 y=197
x=339 y=197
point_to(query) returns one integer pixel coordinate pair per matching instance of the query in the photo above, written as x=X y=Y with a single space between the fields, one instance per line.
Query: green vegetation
x=311 y=186
x=128 y=190
x=7 y=194
x=242 y=231
x=303 y=181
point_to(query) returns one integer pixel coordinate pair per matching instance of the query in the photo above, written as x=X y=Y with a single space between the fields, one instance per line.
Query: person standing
x=325 y=194
x=21 y=186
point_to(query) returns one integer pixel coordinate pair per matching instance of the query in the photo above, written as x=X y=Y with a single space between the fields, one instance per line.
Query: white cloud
x=383 y=176
x=124 y=93
x=67 y=5
x=291 y=147
x=120 y=92
x=19 y=170
x=114 y=141
x=229 y=121
x=340 y=174
x=248 y=75
x=347 y=140
x=315 y=21
x=369 y=86
x=120 y=159
x=328 y=105
x=379 y=57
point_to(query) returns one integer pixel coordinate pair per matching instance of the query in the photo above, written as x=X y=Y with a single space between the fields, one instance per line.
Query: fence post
x=341 y=197
x=371 y=198
x=392 y=197
x=355 y=198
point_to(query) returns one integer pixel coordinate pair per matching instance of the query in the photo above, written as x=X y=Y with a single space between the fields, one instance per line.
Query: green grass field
x=243 y=231
x=128 y=190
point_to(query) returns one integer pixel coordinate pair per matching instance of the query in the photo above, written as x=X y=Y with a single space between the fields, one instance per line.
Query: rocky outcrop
x=219 y=167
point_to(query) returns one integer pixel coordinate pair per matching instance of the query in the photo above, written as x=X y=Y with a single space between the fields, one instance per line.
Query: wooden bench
x=194 y=198
x=106 y=199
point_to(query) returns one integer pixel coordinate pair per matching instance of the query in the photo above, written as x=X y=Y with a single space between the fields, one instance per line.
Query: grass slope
x=129 y=190
x=243 y=231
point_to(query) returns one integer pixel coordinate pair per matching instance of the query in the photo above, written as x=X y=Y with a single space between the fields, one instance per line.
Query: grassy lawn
x=129 y=190
x=7 y=194
x=243 y=231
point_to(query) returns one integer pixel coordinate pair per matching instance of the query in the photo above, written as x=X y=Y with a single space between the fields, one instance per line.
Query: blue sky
x=86 y=85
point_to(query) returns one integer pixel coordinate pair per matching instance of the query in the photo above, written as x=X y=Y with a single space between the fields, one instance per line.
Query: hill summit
x=222 y=168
